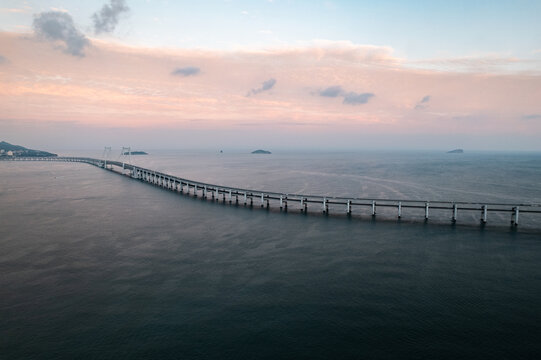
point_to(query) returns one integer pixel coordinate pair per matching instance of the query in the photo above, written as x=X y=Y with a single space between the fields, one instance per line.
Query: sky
x=280 y=74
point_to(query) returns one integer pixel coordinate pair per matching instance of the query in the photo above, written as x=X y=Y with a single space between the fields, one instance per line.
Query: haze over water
x=95 y=265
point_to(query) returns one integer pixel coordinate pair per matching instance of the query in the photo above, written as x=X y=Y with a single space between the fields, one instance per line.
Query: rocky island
x=261 y=152
x=455 y=151
x=7 y=149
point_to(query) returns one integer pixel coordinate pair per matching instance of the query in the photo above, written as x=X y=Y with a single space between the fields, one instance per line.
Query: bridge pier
x=373 y=208
x=325 y=207
x=426 y=210
x=514 y=218
x=484 y=218
x=455 y=212
x=399 y=209
x=348 y=207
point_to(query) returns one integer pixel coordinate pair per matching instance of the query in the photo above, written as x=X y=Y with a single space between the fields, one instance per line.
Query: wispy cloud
x=531 y=117
x=350 y=97
x=331 y=91
x=107 y=18
x=422 y=104
x=25 y=9
x=267 y=85
x=58 y=26
x=353 y=98
x=479 y=64
x=186 y=71
x=59 y=9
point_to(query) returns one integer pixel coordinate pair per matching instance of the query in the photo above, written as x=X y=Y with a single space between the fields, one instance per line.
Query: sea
x=94 y=265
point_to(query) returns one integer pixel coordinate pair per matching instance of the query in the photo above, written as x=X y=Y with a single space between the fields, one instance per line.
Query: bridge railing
x=176 y=183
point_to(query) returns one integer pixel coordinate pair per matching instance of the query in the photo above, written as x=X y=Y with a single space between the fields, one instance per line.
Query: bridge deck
x=248 y=196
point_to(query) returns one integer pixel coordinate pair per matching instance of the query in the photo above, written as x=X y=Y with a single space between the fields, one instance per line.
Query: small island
x=10 y=150
x=455 y=151
x=261 y=152
x=135 y=153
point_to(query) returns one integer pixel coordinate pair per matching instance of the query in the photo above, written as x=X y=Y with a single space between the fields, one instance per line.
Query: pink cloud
x=133 y=87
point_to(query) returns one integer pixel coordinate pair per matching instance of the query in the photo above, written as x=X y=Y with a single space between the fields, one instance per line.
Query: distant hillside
x=135 y=153
x=261 y=152
x=455 y=151
x=7 y=149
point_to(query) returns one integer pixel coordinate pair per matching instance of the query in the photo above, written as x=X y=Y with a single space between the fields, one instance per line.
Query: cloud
x=421 y=104
x=59 y=26
x=331 y=91
x=3 y=60
x=186 y=71
x=532 y=117
x=352 y=98
x=106 y=19
x=24 y=9
x=267 y=85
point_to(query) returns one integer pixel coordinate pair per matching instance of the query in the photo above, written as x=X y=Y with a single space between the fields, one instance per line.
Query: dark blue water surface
x=98 y=266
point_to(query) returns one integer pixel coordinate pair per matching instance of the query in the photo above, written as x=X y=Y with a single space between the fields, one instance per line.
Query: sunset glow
x=305 y=87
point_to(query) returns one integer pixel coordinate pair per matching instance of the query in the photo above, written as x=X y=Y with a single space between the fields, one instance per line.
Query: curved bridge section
x=251 y=197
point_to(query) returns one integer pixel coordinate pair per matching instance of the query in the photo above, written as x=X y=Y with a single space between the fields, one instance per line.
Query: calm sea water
x=94 y=265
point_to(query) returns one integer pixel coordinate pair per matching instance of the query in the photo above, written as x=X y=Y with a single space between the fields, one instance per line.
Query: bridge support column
x=251 y=200
x=285 y=203
x=230 y=197
x=426 y=210
x=325 y=208
x=195 y=190
x=205 y=192
x=302 y=203
x=514 y=219
x=399 y=209
x=281 y=202
x=245 y=198
x=348 y=207
x=262 y=200
x=484 y=219
x=373 y=208
x=455 y=212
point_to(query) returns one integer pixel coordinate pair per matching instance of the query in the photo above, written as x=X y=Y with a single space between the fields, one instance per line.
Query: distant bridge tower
x=106 y=155
x=125 y=156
